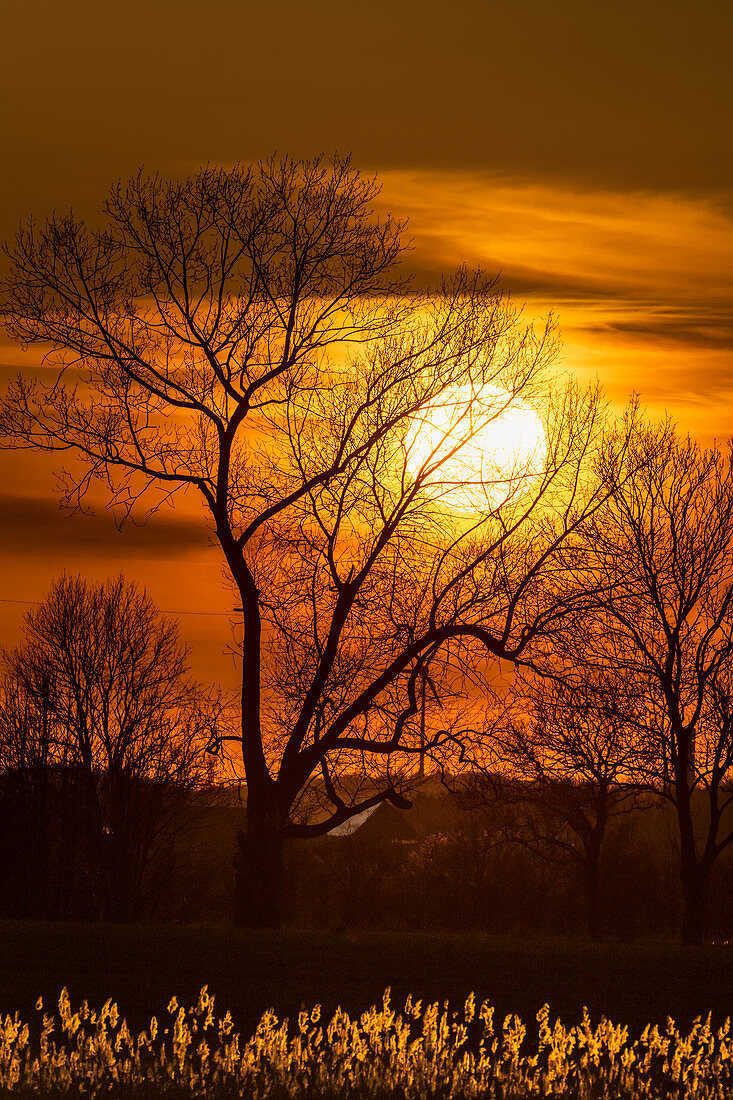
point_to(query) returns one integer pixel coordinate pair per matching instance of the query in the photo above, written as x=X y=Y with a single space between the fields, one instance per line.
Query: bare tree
x=247 y=334
x=567 y=761
x=101 y=702
x=27 y=799
x=663 y=549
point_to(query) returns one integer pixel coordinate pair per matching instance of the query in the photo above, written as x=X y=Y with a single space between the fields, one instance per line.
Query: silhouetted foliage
x=467 y=869
x=663 y=564
x=567 y=762
x=103 y=738
x=248 y=334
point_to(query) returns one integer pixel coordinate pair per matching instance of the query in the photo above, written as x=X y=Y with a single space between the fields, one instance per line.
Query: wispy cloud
x=641 y=283
x=29 y=524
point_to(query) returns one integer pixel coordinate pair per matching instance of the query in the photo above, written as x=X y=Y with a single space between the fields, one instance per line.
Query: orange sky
x=581 y=150
x=641 y=283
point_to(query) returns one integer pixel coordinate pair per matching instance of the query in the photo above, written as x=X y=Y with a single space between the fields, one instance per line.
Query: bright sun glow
x=500 y=446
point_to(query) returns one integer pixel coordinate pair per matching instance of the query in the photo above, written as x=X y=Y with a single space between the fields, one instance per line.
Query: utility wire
x=5 y=599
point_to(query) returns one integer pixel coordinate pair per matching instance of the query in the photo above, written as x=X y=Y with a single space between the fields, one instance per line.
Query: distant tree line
x=248 y=335
x=110 y=806
x=103 y=738
x=478 y=867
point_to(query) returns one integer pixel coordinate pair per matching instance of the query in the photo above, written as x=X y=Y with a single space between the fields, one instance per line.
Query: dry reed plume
x=423 y=1051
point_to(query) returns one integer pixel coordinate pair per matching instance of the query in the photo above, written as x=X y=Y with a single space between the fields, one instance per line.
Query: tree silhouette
x=100 y=718
x=247 y=334
x=663 y=558
x=568 y=761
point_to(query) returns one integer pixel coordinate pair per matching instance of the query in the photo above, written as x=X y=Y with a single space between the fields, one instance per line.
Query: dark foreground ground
x=142 y=966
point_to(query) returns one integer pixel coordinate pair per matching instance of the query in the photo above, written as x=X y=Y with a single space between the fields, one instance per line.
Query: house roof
x=383 y=821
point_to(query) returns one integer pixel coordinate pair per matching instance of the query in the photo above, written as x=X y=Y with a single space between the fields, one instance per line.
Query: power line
x=5 y=599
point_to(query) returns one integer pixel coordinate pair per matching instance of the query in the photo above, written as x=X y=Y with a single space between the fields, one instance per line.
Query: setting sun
x=499 y=443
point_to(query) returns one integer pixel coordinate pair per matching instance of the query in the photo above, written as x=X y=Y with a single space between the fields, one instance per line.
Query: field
x=415 y=1047
x=141 y=967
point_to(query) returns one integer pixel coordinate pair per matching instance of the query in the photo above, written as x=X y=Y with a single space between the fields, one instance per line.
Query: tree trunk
x=593 y=899
x=258 y=884
x=694 y=892
x=259 y=877
x=259 y=862
x=593 y=843
x=693 y=870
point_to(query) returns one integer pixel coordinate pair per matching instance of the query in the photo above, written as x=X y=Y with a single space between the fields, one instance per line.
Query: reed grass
x=420 y=1051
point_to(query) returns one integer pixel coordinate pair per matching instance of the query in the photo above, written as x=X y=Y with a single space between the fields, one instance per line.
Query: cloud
x=567 y=240
x=639 y=282
x=33 y=525
x=692 y=331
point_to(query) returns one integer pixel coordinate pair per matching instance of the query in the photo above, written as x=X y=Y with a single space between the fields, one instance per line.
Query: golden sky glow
x=641 y=284
x=580 y=150
x=499 y=443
